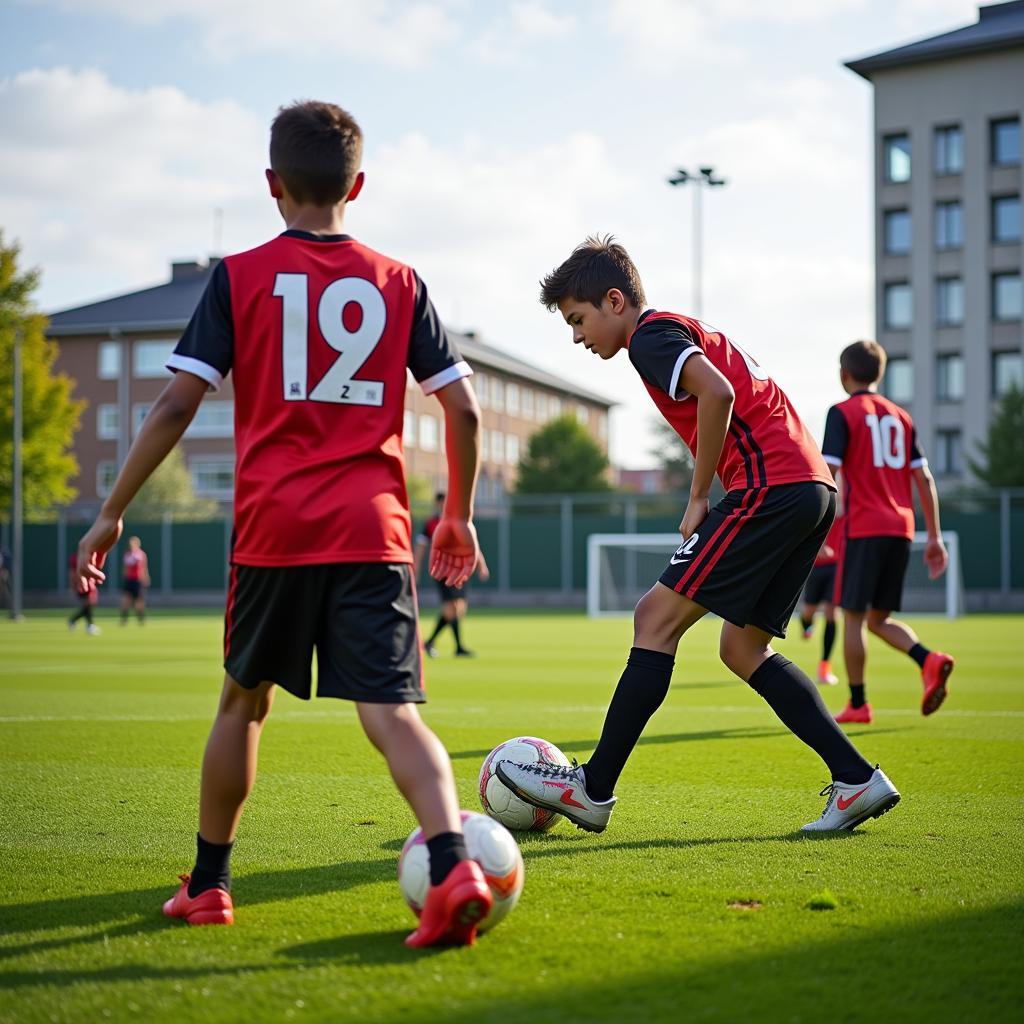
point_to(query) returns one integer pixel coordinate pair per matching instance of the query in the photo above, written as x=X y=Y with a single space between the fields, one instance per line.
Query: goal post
x=622 y=567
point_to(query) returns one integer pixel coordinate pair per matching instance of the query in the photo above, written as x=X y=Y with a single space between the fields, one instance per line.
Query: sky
x=498 y=135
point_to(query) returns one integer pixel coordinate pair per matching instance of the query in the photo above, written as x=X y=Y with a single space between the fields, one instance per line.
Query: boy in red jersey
x=819 y=593
x=86 y=595
x=134 y=581
x=746 y=559
x=875 y=443
x=320 y=331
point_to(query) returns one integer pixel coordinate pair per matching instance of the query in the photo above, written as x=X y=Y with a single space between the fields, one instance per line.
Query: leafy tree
x=170 y=489
x=673 y=456
x=562 y=458
x=1003 y=449
x=49 y=414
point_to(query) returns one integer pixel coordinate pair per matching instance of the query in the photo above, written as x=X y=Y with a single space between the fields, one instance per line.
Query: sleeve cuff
x=677 y=372
x=832 y=460
x=918 y=463
x=447 y=376
x=204 y=371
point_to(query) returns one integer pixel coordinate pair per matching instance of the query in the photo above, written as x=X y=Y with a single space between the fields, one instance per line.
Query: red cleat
x=936 y=672
x=213 y=906
x=855 y=716
x=454 y=909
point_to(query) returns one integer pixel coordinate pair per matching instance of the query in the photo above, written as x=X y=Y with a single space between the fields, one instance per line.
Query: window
x=949 y=150
x=1006 y=142
x=542 y=407
x=1007 y=298
x=151 y=358
x=949 y=301
x=1006 y=218
x=512 y=399
x=213 y=419
x=109 y=360
x=949 y=378
x=949 y=225
x=899 y=380
x=948 y=452
x=409 y=428
x=480 y=383
x=497 y=395
x=497 y=446
x=485 y=451
x=213 y=476
x=106 y=474
x=602 y=425
x=528 y=403
x=1007 y=371
x=896 y=157
x=582 y=414
x=139 y=412
x=896 y=231
x=108 y=422
x=898 y=304
x=512 y=449
x=555 y=406
x=428 y=433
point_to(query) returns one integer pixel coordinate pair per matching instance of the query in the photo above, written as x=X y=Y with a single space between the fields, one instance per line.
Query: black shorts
x=750 y=558
x=821 y=585
x=133 y=588
x=359 y=617
x=447 y=593
x=872 y=573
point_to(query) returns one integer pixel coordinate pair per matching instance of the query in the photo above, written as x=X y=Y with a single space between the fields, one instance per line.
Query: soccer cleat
x=92 y=629
x=454 y=909
x=431 y=651
x=936 y=672
x=808 y=632
x=554 y=787
x=848 y=806
x=855 y=716
x=71 y=626
x=212 y=906
x=464 y=652
x=825 y=674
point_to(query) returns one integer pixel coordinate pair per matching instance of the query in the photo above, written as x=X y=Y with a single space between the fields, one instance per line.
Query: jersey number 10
x=338 y=384
x=888 y=441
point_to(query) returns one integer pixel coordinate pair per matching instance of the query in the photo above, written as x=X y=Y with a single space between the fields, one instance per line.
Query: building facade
x=116 y=350
x=948 y=253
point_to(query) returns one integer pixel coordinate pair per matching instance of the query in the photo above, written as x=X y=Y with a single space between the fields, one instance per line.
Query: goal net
x=622 y=567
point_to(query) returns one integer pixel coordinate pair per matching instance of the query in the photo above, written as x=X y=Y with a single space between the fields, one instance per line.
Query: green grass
x=697 y=904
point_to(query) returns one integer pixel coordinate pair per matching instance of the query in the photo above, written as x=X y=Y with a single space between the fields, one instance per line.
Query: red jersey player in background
x=320 y=332
x=818 y=593
x=746 y=559
x=874 y=442
x=134 y=581
x=86 y=594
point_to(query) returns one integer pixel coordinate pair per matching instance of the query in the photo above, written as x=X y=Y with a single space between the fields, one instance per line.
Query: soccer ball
x=500 y=802
x=490 y=845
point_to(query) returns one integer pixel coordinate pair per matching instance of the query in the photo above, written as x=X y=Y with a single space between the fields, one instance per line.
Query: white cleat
x=557 y=788
x=848 y=806
x=92 y=629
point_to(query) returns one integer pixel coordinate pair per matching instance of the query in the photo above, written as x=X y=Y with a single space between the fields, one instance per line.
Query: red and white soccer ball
x=490 y=845
x=500 y=802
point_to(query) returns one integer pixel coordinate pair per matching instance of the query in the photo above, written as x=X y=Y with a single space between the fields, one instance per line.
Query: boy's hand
x=93 y=548
x=935 y=557
x=697 y=510
x=454 y=551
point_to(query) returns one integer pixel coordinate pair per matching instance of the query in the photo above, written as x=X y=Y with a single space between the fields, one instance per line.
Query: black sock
x=806 y=623
x=858 y=695
x=458 y=635
x=919 y=652
x=87 y=612
x=80 y=614
x=642 y=687
x=446 y=849
x=796 y=701
x=124 y=616
x=213 y=867
x=441 y=623
x=141 y=615
x=828 y=640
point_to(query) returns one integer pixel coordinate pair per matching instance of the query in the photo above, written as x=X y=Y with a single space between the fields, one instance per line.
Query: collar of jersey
x=308 y=236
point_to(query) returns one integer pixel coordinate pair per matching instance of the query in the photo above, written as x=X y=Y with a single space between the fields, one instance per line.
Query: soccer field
x=698 y=903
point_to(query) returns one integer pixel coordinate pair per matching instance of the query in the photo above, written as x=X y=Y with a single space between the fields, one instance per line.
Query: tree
x=672 y=454
x=562 y=458
x=1003 y=449
x=170 y=489
x=49 y=414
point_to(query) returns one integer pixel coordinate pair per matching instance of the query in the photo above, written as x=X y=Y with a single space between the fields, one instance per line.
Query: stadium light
x=704 y=179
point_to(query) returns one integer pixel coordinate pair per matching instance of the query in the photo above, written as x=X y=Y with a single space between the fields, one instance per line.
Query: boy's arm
x=936 y=558
x=482 y=568
x=160 y=432
x=714 y=396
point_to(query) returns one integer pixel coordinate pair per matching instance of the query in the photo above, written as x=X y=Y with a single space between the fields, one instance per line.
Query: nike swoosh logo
x=566 y=797
x=843 y=804
x=678 y=561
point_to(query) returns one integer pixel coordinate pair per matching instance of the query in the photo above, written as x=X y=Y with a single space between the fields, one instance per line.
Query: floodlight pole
x=17 y=496
x=705 y=179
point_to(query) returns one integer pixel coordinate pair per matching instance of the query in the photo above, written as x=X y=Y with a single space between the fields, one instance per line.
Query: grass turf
x=700 y=902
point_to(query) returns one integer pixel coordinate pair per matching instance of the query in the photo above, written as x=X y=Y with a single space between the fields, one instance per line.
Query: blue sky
x=498 y=135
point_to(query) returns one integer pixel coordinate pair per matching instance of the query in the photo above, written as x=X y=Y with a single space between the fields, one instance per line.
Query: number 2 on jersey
x=338 y=384
x=888 y=441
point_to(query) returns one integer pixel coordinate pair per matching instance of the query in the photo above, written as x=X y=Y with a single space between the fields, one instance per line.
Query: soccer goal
x=622 y=567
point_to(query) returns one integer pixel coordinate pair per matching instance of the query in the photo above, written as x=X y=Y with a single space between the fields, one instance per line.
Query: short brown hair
x=316 y=149
x=596 y=265
x=864 y=361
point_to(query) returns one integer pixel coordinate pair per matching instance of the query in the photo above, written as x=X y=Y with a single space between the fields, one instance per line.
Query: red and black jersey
x=834 y=542
x=429 y=527
x=135 y=565
x=874 y=441
x=319 y=332
x=767 y=443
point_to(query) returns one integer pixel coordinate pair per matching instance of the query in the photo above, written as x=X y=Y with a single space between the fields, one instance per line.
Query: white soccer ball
x=490 y=845
x=500 y=802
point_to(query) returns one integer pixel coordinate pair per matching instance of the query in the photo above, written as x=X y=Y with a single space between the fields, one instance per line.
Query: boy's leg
x=140 y=609
x=896 y=634
x=829 y=636
x=855 y=655
x=126 y=604
x=459 y=609
x=807 y=619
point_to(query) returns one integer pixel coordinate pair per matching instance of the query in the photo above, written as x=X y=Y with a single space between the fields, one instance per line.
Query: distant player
x=319 y=332
x=86 y=595
x=134 y=581
x=819 y=593
x=746 y=559
x=875 y=443
x=454 y=602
